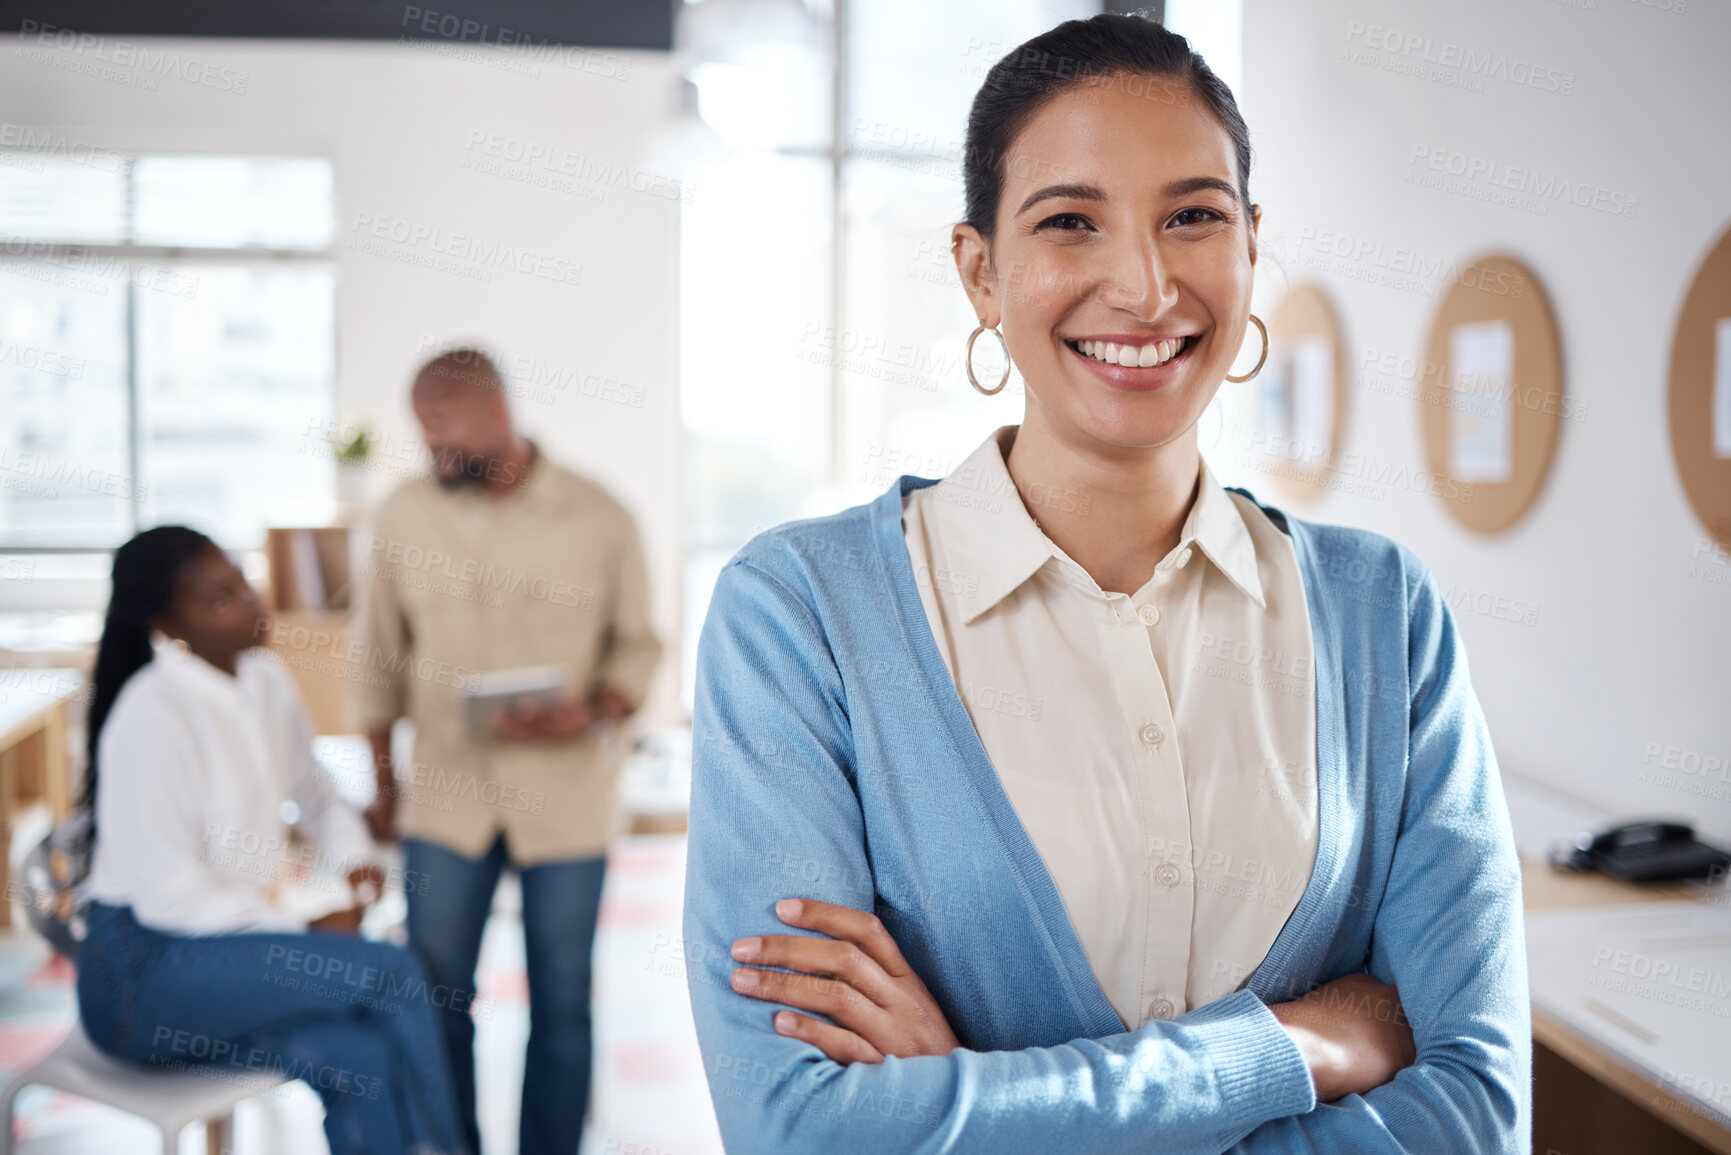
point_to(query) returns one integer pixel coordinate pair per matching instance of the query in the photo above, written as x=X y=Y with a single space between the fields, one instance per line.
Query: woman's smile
x=1131 y=362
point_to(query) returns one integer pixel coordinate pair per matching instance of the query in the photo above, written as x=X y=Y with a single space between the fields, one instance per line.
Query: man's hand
x=381 y=813
x=613 y=706
x=531 y=722
x=381 y=816
x=1352 y=1033
x=857 y=978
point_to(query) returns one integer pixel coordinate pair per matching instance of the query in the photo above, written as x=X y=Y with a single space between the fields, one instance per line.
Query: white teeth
x=1132 y=356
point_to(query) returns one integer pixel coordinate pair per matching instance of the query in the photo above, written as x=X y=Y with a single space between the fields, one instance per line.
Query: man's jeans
x=448 y=903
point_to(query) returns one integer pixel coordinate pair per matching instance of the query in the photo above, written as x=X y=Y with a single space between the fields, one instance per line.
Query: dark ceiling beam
x=589 y=23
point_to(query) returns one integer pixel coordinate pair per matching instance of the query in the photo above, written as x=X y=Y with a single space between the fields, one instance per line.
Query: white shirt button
x=1168 y=875
x=1162 y=1009
x=1184 y=557
x=1153 y=735
x=1149 y=615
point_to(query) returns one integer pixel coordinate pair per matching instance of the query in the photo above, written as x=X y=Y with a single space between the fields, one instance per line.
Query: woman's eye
x=1196 y=216
x=1065 y=222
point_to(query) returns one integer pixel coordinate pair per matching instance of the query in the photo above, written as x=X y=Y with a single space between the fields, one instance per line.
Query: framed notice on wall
x=1700 y=392
x=1492 y=394
x=1301 y=392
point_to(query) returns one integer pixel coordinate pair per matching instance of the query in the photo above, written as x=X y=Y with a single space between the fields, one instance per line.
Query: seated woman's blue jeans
x=353 y=1019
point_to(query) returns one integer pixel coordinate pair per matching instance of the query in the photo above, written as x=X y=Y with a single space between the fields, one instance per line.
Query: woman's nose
x=1139 y=281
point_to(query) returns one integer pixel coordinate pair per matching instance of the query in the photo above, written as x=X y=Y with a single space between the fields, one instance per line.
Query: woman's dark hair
x=145 y=572
x=1110 y=44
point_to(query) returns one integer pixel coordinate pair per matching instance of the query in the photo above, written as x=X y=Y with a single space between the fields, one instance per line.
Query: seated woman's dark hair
x=1110 y=44
x=144 y=575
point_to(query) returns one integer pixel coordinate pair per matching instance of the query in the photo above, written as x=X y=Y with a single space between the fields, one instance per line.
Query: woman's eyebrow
x=1078 y=192
x=1089 y=192
x=1179 y=188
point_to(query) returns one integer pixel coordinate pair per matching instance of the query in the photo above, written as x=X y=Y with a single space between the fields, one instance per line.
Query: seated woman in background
x=1075 y=803
x=199 y=761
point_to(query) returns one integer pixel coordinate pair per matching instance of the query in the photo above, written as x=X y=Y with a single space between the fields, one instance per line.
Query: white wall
x=399 y=123
x=1632 y=641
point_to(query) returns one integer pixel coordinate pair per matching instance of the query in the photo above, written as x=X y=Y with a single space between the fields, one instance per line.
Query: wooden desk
x=1571 y=1112
x=33 y=762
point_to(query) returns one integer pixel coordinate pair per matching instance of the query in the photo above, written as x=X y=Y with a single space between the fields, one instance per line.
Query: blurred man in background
x=502 y=561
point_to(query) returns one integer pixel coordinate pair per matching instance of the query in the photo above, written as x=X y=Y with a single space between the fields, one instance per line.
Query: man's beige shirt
x=460 y=582
x=1160 y=747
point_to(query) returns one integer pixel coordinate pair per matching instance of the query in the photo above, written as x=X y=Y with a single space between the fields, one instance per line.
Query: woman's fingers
x=838 y=1043
x=859 y=927
x=818 y=956
x=855 y=976
x=832 y=998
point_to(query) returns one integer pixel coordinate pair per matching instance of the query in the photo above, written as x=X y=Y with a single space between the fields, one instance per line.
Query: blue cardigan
x=834 y=759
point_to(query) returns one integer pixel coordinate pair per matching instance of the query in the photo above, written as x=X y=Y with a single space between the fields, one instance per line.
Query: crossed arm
x=1352 y=1032
x=883 y=1072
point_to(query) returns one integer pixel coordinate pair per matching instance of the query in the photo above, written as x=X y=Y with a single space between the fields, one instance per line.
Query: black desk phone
x=1651 y=851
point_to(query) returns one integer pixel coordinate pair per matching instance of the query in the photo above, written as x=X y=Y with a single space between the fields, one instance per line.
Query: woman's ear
x=1255 y=228
x=973 y=254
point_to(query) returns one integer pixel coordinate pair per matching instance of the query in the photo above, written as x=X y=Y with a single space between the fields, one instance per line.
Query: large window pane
x=282 y=202
x=755 y=340
x=1215 y=28
x=907 y=403
x=756 y=347
x=64 y=477
x=230 y=380
x=79 y=198
x=915 y=65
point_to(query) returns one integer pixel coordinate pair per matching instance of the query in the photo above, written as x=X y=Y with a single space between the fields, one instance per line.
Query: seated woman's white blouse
x=1160 y=749
x=199 y=775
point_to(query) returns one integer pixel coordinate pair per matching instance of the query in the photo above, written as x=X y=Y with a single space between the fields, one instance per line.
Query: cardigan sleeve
x=772 y=781
x=1449 y=934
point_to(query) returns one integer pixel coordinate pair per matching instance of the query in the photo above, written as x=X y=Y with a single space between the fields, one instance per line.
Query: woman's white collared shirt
x=1160 y=748
x=200 y=775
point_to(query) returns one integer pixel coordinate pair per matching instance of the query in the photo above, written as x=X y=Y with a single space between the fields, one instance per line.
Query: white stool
x=170 y=1099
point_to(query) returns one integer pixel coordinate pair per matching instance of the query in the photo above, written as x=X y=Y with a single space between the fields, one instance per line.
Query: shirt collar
x=1217 y=528
x=182 y=665
x=535 y=488
x=995 y=546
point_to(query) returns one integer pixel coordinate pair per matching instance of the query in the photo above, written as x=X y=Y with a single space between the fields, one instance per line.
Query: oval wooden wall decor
x=1300 y=399
x=1492 y=394
x=1700 y=392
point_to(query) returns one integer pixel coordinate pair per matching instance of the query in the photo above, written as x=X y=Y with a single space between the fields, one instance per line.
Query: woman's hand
x=1352 y=1033
x=367 y=883
x=856 y=977
x=338 y=922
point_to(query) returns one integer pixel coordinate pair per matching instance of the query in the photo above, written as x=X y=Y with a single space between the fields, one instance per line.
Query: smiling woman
x=1233 y=866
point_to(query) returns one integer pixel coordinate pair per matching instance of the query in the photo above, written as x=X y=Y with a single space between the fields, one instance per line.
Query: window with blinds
x=166 y=342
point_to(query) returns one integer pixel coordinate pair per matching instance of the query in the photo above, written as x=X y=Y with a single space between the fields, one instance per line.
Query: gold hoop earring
x=1263 y=329
x=968 y=361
